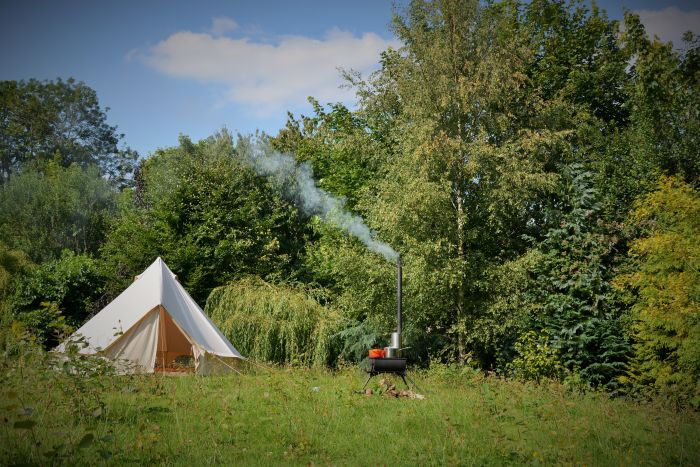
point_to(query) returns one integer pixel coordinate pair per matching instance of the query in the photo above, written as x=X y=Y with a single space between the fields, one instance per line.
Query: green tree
x=578 y=59
x=344 y=155
x=44 y=212
x=666 y=103
x=666 y=279
x=462 y=172
x=279 y=323
x=571 y=295
x=661 y=132
x=58 y=120
x=209 y=215
x=57 y=295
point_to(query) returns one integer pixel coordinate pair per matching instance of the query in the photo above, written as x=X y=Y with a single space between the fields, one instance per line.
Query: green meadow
x=316 y=417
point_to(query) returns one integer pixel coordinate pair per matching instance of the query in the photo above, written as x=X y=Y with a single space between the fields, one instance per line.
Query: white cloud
x=221 y=25
x=670 y=23
x=268 y=77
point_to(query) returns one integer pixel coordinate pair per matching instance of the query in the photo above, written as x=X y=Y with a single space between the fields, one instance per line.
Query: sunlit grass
x=276 y=417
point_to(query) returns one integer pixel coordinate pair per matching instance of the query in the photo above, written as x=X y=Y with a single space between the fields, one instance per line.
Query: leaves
x=57 y=294
x=52 y=208
x=666 y=279
x=276 y=323
x=59 y=120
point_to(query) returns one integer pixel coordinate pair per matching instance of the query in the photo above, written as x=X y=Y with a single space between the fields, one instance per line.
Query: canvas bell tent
x=153 y=323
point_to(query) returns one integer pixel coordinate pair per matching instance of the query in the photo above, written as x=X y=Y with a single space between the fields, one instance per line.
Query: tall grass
x=276 y=323
x=73 y=410
x=306 y=416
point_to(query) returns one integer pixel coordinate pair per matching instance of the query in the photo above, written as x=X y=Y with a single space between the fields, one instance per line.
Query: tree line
x=536 y=164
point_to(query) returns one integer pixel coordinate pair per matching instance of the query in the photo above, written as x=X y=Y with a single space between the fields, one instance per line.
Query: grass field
x=303 y=417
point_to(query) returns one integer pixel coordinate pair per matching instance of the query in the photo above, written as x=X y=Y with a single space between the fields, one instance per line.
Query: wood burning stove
x=392 y=362
x=396 y=366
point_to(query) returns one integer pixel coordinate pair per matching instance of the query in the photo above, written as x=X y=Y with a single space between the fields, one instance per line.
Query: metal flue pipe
x=398 y=295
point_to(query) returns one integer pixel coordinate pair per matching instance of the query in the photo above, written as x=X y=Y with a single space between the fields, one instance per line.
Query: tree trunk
x=461 y=350
x=461 y=160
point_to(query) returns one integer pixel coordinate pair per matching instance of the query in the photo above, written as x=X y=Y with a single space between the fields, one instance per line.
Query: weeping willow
x=275 y=323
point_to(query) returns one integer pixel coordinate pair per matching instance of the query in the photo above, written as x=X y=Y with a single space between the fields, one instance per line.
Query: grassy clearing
x=276 y=417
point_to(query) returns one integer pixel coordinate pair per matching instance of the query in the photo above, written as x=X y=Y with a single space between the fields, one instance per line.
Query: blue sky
x=171 y=67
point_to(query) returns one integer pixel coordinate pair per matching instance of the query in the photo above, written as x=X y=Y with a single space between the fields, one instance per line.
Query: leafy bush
x=68 y=286
x=43 y=389
x=275 y=323
x=356 y=337
x=13 y=263
x=536 y=358
x=46 y=323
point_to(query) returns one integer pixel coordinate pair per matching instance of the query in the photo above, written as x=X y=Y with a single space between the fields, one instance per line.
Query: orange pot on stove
x=376 y=353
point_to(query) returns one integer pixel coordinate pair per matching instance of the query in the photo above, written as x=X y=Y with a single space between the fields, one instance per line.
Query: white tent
x=153 y=322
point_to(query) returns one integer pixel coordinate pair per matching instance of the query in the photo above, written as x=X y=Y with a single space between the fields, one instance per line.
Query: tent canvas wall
x=153 y=322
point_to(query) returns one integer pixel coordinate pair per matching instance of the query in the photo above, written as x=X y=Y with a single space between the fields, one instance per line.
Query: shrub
x=536 y=358
x=67 y=286
x=52 y=208
x=276 y=323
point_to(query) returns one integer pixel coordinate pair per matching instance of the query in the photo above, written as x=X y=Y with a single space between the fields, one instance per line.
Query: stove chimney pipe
x=398 y=295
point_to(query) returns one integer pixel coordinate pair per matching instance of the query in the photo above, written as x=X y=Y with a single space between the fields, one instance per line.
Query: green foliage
x=578 y=58
x=535 y=358
x=209 y=215
x=57 y=293
x=43 y=389
x=357 y=337
x=45 y=322
x=276 y=323
x=508 y=311
x=13 y=263
x=343 y=154
x=573 y=298
x=666 y=279
x=665 y=88
x=58 y=120
x=43 y=212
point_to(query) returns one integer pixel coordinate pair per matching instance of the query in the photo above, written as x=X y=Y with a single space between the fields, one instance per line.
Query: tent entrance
x=174 y=349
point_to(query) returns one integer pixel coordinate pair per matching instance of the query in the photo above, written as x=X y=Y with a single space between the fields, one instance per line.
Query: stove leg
x=367 y=381
x=413 y=383
x=403 y=377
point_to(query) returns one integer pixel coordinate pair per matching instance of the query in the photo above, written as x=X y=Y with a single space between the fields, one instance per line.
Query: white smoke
x=298 y=180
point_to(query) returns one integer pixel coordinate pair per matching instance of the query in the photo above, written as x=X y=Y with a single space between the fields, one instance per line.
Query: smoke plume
x=297 y=181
